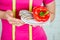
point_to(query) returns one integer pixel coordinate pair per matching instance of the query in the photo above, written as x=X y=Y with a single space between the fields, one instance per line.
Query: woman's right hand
x=9 y=16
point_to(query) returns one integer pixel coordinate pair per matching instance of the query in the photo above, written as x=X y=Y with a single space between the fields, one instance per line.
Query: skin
x=8 y=15
x=51 y=8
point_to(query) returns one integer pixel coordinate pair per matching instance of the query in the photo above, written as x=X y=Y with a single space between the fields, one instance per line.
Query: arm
x=2 y=13
x=50 y=4
x=8 y=15
x=51 y=8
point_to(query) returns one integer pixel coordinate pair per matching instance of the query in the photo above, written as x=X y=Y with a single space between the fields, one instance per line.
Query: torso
x=22 y=32
x=20 y=4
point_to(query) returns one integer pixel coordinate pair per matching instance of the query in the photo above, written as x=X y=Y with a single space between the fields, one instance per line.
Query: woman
x=22 y=33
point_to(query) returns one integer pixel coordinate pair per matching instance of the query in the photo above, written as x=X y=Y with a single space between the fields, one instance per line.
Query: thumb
x=10 y=13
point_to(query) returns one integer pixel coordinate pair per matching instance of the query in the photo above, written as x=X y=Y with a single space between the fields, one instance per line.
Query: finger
x=15 y=21
x=18 y=24
x=18 y=20
x=8 y=17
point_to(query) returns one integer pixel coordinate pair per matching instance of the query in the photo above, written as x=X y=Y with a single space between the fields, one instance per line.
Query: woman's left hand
x=51 y=7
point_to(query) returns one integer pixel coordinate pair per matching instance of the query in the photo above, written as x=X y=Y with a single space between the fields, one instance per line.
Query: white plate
x=33 y=22
x=24 y=14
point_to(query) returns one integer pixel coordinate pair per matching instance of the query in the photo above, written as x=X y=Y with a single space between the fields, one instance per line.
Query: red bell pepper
x=41 y=13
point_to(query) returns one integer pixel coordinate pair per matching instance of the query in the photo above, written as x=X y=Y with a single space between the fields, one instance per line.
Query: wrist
x=52 y=17
x=3 y=14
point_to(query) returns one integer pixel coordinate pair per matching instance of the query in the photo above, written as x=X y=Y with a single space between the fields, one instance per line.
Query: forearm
x=2 y=14
x=52 y=17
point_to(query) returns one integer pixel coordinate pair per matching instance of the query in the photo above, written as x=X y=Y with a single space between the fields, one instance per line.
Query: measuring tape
x=30 y=26
x=13 y=26
x=14 y=11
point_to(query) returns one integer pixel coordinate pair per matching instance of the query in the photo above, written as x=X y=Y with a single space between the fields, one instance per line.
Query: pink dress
x=22 y=32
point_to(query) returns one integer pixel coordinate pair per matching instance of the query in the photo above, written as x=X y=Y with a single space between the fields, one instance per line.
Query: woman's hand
x=9 y=16
x=51 y=7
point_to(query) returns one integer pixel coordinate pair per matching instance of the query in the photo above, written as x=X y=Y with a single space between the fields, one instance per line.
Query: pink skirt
x=22 y=32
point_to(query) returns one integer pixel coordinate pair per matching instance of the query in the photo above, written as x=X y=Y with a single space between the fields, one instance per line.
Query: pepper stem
x=41 y=14
x=46 y=13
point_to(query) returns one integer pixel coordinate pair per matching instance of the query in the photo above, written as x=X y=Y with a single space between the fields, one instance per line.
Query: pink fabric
x=47 y=1
x=22 y=32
